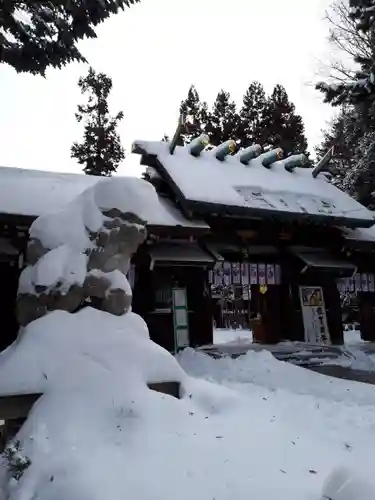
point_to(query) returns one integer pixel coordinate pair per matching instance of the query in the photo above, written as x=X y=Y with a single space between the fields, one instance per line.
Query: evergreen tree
x=100 y=150
x=37 y=35
x=364 y=12
x=351 y=132
x=252 y=127
x=360 y=180
x=195 y=116
x=284 y=127
x=223 y=119
x=343 y=133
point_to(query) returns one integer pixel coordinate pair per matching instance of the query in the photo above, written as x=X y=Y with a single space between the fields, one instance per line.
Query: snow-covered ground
x=228 y=335
x=252 y=427
x=289 y=429
x=357 y=354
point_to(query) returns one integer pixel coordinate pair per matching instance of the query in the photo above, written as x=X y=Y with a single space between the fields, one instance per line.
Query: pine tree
x=360 y=181
x=195 y=116
x=285 y=129
x=223 y=119
x=100 y=151
x=352 y=132
x=252 y=127
x=344 y=133
x=37 y=35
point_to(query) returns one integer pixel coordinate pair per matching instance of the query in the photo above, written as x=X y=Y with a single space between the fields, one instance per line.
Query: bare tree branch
x=348 y=44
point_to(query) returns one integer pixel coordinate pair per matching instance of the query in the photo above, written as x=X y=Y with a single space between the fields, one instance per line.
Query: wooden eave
x=23 y=222
x=177 y=231
x=18 y=220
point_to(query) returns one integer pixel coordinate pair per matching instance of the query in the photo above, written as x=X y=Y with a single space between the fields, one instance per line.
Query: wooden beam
x=17 y=406
x=170 y=388
x=323 y=163
x=173 y=144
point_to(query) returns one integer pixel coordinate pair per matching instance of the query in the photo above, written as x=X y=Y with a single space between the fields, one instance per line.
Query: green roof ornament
x=247 y=154
x=271 y=156
x=198 y=144
x=225 y=149
x=294 y=161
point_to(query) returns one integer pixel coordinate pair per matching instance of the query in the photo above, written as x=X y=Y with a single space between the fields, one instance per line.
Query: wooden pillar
x=291 y=309
x=200 y=307
x=9 y=275
x=143 y=292
x=268 y=330
x=291 y=313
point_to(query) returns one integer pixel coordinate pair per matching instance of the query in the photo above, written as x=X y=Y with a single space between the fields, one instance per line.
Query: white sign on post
x=180 y=318
x=314 y=315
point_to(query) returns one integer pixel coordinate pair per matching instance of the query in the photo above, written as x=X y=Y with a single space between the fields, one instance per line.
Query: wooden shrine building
x=278 y=233
x=267 y=240
x=168 y=274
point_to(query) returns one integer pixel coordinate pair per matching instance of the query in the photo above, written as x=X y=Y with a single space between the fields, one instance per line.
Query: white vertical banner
x=245 y=273
x=314 y=315
x=227 y=273
x=236 y=273
x=218 y=274
x=371 y=283
x=262 y=274
x=253 y=274
x=271 y=274
x=364 y=282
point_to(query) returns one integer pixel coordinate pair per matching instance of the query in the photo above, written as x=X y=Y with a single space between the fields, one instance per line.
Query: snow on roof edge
x=32 y=193
x=295 y=192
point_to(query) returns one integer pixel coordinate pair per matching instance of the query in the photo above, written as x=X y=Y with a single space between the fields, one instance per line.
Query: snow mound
x=92 y=369
x=62 y=349
x=262 y=369
x=98 y=431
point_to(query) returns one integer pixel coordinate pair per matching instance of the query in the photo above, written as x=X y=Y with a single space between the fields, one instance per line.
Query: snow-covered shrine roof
x=255 y=187
x=35 y=192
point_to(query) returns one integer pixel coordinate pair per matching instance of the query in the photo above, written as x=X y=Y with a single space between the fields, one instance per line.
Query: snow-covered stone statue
x=81 y=254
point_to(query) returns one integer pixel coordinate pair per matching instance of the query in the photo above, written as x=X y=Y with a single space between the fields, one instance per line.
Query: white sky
x=154 y=52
